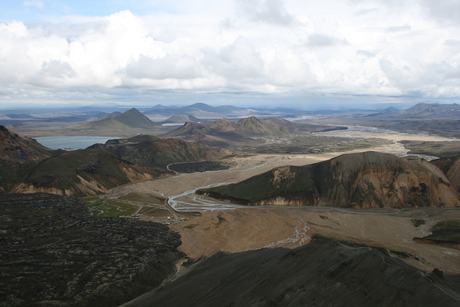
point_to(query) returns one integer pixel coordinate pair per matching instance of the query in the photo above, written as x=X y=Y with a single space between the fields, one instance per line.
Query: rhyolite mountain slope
x=77 y=173
x=151 y=150
x=55 y=254
x=321 y=273
x=361 y=180
x=17 y=147
x=451 y=167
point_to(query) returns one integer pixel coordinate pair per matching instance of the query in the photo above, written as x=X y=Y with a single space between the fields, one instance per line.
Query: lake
x=72 y=142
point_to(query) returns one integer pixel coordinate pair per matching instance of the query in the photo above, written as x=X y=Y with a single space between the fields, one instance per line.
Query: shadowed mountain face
x=363 y=180
x=77 y=173
x=451 y=167
x=55 y=254
x=150 y=150
x=322 y=273
x=14 y=146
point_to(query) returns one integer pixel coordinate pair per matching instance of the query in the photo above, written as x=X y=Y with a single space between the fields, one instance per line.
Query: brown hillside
x=14 y=146
x=363 y=180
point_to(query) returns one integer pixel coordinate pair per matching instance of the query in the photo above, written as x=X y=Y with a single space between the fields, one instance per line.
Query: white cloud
x=357 y=48
x=35 y=3
x=318 y=40
x=269 y=11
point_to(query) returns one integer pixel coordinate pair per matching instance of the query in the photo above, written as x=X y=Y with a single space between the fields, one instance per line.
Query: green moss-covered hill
x=362 y=180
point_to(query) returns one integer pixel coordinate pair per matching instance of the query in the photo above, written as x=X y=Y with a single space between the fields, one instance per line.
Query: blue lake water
x=72 y=142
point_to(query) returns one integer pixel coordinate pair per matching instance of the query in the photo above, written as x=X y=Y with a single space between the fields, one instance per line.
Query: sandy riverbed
x=245 y=228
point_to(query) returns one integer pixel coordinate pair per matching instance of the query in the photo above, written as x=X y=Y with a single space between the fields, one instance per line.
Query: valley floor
x=207 y=226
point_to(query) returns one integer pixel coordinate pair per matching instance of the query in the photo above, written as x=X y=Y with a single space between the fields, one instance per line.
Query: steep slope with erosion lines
x=362 y=180
x=151 y=150
x=17 y=147
x=80 y=173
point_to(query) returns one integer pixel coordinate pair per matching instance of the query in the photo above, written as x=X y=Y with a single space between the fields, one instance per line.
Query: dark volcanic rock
x=54 y=253
x=322 y=273
x=362 y=180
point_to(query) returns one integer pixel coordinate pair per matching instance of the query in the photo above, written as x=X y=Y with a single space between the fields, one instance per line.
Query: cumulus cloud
x=260 y=46
x=167 y=67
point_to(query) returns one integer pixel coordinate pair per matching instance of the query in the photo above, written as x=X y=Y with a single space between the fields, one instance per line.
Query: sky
x=272 y=52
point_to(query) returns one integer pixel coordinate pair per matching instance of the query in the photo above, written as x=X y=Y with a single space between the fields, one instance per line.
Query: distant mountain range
x=117 y=121
x=427 y=111
x=362 y=180
x=200 y=110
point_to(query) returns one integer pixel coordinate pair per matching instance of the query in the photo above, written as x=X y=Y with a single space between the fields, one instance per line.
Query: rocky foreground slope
x=55 y=254
x=362 y=180
x=322 y=273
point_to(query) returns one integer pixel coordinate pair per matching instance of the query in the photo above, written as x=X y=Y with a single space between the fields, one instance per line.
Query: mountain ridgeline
x=322 y=273
x=77 y=173
x=17 y=147
x=151 y=150
x=362 y=180
x=28 y=167
x=118 y=121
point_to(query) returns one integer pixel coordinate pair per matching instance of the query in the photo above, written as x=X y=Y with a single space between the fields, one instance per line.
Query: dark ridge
x=322 y=273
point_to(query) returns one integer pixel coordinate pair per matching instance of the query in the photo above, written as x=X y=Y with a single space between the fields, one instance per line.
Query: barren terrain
x=222 y=226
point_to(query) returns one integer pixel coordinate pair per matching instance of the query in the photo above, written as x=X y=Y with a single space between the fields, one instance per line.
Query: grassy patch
x=108 y=208
x=143 y=198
